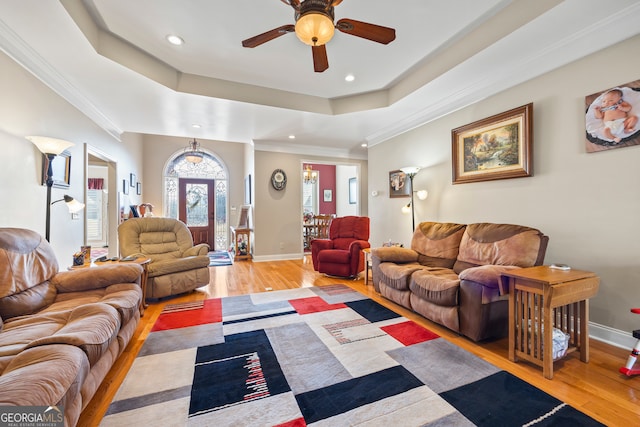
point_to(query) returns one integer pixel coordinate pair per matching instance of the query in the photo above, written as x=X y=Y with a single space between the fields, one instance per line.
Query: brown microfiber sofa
x=60 y=332
x=450 y=274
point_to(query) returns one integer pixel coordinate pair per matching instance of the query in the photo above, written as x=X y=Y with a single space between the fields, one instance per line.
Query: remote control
x=560 y=266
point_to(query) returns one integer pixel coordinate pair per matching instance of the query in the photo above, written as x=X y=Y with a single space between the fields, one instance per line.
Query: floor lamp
x=411 y=172
x=50 y=147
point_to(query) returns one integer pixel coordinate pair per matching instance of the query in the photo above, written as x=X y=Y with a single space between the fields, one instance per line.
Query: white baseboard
x=611 y=336
x=279 y=257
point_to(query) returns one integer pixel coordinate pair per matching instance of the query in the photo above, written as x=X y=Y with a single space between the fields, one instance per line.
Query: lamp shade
x=314 y=28
x=193 y=153
x=422 y=194
x=73 y=205
x=193 y=157
x=50 y=145
x=410 y=170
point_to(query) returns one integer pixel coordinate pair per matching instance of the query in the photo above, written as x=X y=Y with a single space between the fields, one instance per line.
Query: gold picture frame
x=498 y=147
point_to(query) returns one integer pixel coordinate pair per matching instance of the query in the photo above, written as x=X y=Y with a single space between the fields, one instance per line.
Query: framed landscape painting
x=497 y=147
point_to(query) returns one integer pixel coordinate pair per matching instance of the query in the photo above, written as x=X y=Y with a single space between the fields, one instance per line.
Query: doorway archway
x=211 y=168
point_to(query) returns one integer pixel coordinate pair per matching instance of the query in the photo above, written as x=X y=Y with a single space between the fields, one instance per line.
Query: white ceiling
x=111 y=60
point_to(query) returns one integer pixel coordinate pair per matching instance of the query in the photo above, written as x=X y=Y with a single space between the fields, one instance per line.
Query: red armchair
x=341 y=254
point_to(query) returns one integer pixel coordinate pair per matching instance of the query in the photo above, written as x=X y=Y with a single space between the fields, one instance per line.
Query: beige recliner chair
x=176 y=266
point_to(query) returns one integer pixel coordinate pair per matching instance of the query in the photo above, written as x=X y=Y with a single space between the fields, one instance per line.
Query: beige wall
x=158 y=150
x=28 y=107
x=278 y=218
x=589 y=204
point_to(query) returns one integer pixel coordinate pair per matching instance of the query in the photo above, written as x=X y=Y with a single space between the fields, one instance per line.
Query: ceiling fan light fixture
x=315 y=28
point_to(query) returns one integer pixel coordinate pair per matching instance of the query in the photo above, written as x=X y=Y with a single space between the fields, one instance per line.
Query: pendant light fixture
x=309 y=175
x=192 y=153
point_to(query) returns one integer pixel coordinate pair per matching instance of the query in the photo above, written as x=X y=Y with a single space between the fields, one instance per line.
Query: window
x=210 y=168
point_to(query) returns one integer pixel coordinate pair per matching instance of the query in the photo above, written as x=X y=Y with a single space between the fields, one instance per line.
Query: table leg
x=584 y=330
x=512 y=319
x=547 y=341
x=143 y=285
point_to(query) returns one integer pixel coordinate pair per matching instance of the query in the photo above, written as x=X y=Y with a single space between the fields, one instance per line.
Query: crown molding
x=312 y=150
x=564 y=51
x=16 y=48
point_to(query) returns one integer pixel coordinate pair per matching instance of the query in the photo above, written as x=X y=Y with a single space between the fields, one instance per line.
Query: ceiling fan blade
x=269 y=35
x=293 y=3
x=320 y=60
x=334 y=3
x=376 y=33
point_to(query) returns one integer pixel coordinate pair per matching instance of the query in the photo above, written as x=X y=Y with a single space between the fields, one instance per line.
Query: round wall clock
x=278 y=179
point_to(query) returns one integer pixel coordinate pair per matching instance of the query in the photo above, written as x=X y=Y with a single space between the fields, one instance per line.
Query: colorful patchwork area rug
x=220 y=258
x=320 y=356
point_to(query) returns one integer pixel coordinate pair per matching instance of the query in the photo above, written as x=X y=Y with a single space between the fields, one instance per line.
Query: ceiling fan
x=314 y=26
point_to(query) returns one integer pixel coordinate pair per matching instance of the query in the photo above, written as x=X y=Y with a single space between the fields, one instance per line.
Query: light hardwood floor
x=595 y=388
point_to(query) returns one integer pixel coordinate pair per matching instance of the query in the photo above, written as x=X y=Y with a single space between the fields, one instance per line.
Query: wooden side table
x=241 y=242
x=367 y=264
x=540 y=299
x=143 y=261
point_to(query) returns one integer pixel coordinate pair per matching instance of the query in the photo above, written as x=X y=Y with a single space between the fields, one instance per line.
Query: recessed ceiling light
x=349 y=77
x=292 y=137
x=196 y=126
x=364 y=145
x=175 y=40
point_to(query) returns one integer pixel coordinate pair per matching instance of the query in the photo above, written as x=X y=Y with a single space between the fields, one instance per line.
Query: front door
x=196 y=208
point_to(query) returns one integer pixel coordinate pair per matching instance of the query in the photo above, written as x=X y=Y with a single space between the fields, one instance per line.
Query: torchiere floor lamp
x=52 y=147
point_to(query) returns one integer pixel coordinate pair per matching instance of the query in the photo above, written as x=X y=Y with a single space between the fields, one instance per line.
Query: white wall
x=278 y=218
x=343 y=207
x=589 y=204
x=28 y=107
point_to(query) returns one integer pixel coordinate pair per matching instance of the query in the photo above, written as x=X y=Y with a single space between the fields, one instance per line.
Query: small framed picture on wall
x=397 y=187
x=328 y=195
x=125 y=186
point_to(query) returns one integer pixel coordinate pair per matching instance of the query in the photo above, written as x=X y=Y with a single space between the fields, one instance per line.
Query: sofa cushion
x=45 y=375
x=21 y=331
x=436 y=285
x=90 y=327
x=28 y=263
x=500 y=244
x=156 y=237
x=437 y=243
x=27 y=301
x=335 y=256
x=397 y=276
x=124 y=297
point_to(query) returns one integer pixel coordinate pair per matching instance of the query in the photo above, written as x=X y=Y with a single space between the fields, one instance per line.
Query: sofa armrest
x=321 y=244
x=199 y=249
x=356 y=247
x=177 y=265
x=395 y=254
x=318 y=245
x=487 y=275
x=97 y=277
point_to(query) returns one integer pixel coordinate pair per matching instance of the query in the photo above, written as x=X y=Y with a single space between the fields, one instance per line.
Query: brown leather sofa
x=60 y=332
x=177 y=266
x=450 y=274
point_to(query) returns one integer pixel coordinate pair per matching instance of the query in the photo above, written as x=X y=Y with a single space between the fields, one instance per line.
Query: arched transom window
x=210 y=168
